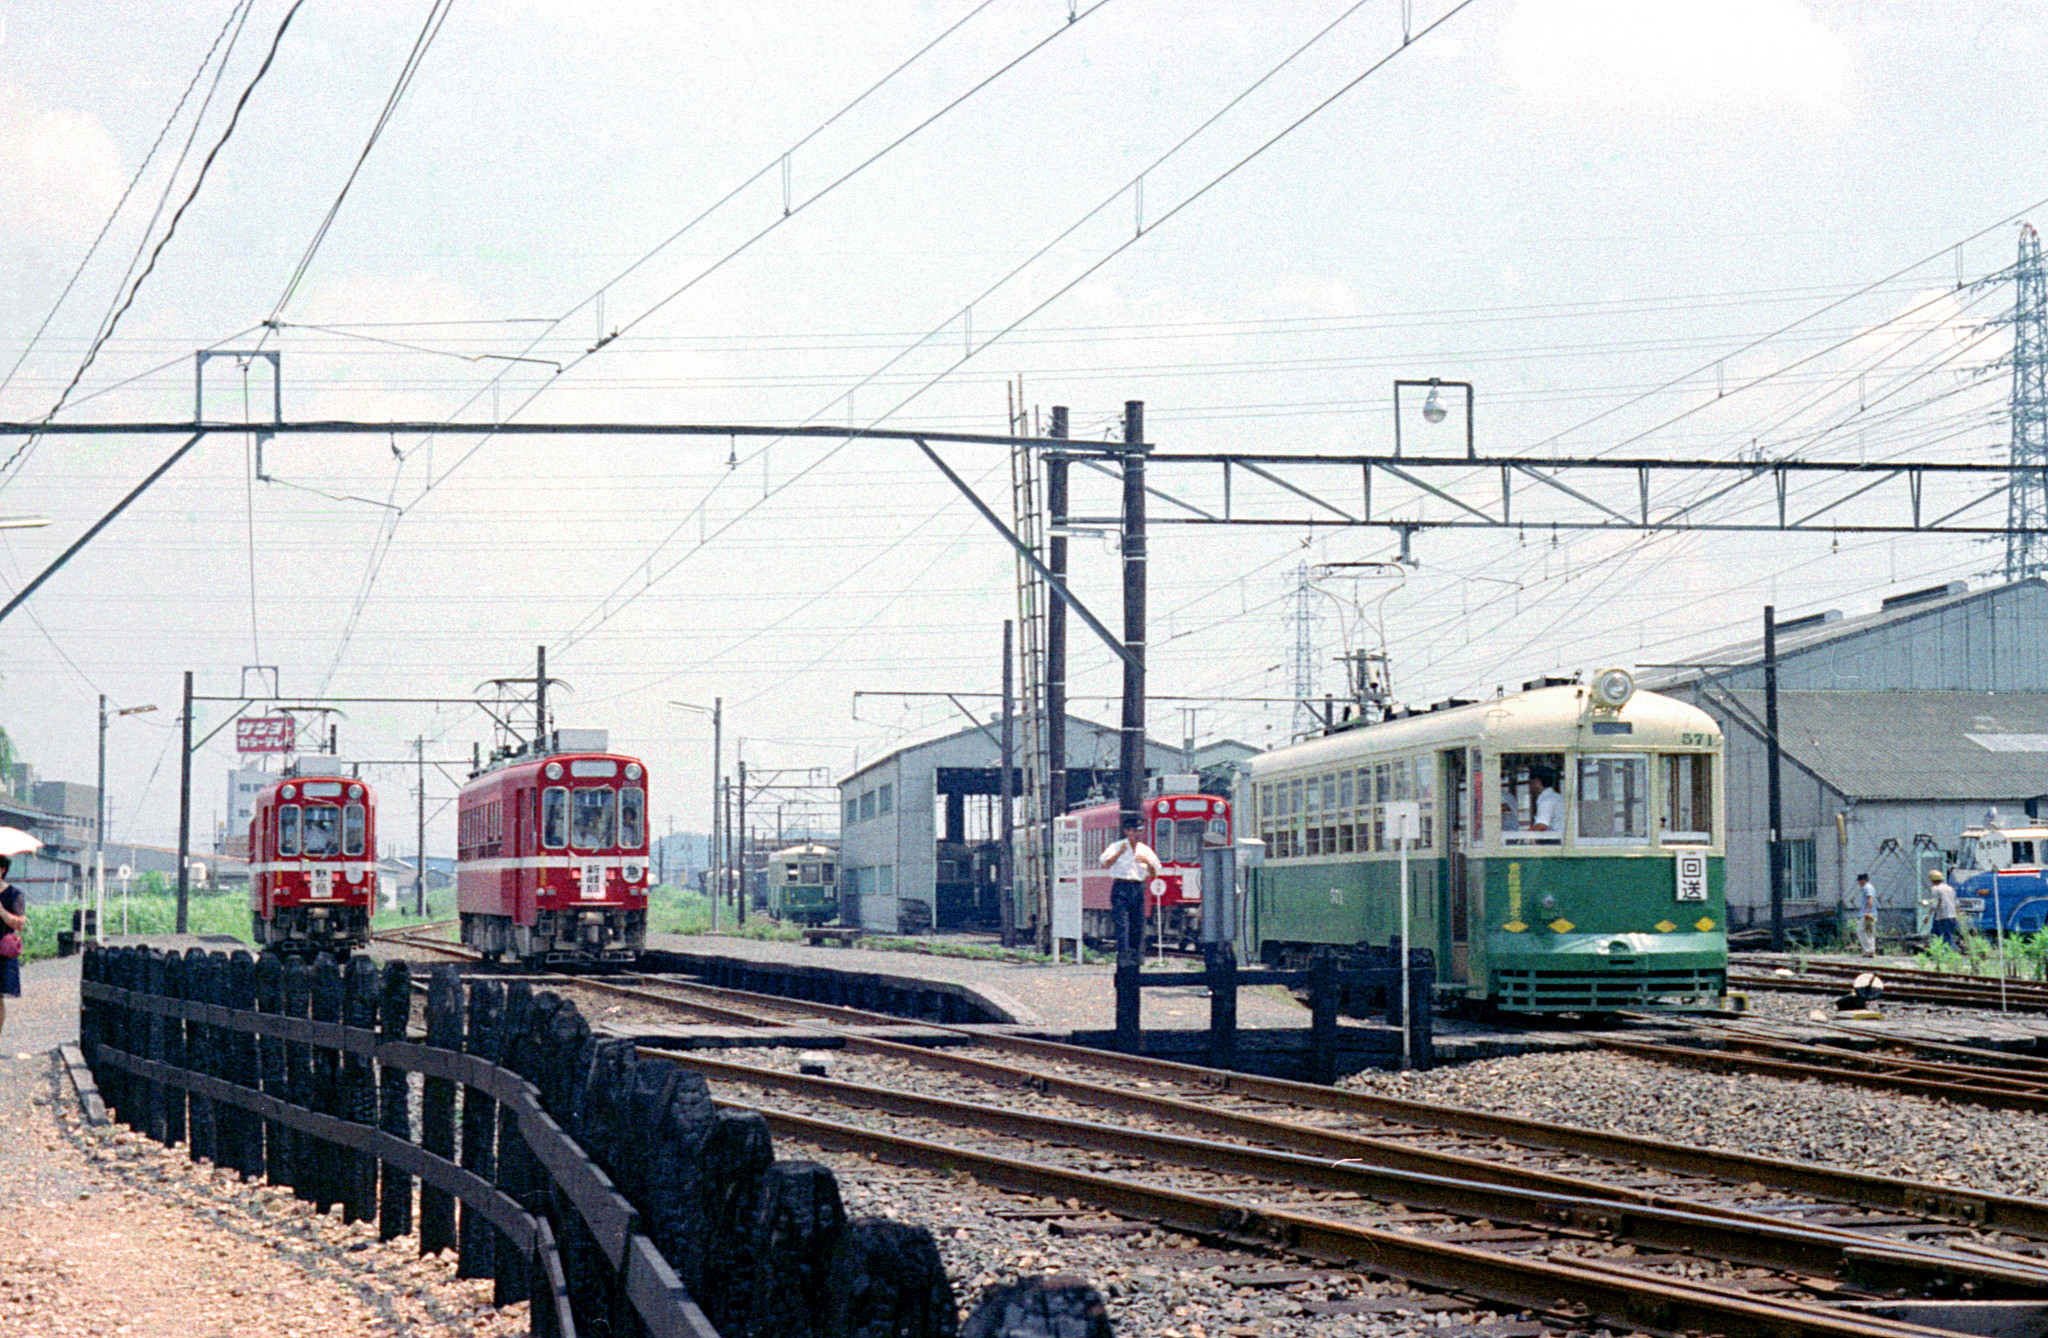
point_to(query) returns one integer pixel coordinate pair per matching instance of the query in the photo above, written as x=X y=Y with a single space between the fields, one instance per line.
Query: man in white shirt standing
x=1547 y=807
x=1131 y=864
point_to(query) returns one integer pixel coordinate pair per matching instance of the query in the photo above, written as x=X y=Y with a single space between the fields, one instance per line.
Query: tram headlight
x=554 y=771
x=632 y=771
x=1612 y=688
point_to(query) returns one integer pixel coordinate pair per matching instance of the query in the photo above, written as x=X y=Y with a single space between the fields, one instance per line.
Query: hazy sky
x=1688 y=229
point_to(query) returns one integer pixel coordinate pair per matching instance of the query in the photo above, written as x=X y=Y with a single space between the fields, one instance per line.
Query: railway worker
x=1941 y=901
x=1546 y=807
x=1131 y=864
x=1866 y=914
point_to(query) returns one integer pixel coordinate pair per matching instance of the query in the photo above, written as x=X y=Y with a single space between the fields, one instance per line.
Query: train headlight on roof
x=632 y=771
x=1612 y=688
x=554 y=771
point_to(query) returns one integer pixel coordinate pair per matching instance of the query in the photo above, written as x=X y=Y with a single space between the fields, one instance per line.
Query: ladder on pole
x=1032 y=887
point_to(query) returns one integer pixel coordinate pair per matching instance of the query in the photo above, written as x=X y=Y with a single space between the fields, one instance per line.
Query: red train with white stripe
x=551 y=857
x=1175 y=827
x=312 y=864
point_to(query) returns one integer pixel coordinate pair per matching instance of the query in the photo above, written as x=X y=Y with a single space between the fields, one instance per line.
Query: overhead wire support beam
x=1057 y=587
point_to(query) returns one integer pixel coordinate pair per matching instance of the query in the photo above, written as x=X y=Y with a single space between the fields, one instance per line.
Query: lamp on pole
x=99 y=823
x=717 y=713
x=1433 y=410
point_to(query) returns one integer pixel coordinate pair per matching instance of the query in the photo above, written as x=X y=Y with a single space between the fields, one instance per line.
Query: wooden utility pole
x=1777 y=803
x=1055 y=667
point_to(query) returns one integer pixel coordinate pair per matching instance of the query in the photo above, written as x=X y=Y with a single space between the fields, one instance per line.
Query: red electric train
x=312 y=865
x=551 y=856
x=1175 y=827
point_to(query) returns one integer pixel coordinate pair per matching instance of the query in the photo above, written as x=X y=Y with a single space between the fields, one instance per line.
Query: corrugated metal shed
x=1943 y=640
x=1914 y=745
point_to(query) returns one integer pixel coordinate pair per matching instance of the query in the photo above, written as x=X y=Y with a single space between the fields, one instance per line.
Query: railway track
x=1422 y=1177
x=1640 y=1234
x=1996 y=1079
x=1901 y=985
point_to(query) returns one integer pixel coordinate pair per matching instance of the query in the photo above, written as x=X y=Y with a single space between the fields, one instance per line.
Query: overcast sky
x=1683 y=229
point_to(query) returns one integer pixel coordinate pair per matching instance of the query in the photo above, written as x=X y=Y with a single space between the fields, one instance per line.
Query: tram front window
x=352 y=819
x=592 y=817
x=632 y=817
x=288 y=830
x=323 y=830
x=1688 y=799
x=554 y=817
x=1614 y=800
x=1531 y=803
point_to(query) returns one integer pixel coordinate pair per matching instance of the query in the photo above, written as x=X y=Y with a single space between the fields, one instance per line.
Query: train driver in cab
x=1546 y=807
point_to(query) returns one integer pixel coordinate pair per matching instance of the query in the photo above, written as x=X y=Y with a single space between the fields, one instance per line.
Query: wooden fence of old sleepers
x=662 y=1214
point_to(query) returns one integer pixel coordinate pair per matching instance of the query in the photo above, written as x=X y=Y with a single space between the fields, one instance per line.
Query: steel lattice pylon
x=2026 y=548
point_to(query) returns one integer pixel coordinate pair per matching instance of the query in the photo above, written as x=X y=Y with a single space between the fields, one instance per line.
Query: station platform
x=1077 y=1002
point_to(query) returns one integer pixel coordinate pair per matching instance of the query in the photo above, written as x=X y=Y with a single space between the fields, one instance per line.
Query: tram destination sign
x=266 y=734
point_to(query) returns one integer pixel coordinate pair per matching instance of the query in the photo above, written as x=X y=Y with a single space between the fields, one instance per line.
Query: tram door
x=1457 y=812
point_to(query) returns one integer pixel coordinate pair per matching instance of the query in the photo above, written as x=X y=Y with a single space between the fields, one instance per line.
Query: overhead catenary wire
x=135 y=179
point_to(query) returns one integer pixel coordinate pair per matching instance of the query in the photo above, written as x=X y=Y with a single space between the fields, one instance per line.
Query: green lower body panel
x=1582 y=973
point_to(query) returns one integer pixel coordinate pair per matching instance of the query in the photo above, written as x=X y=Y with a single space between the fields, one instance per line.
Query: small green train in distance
x=803 y=884
x=1565 y=847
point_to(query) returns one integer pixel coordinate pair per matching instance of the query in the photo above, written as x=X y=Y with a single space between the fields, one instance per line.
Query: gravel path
x=108 y=1234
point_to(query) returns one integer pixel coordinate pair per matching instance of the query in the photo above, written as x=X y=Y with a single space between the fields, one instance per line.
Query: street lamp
x=99 y=825
x=717 y=713
x=1433 y=410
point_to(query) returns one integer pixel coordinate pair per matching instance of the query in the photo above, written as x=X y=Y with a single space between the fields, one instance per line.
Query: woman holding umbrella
x=13 y=915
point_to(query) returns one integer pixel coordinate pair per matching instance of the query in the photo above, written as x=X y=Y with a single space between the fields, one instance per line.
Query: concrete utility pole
x=184 y=813
x=1055 y=666
x=1006 y=908
x=419 y=879
x=1131 y=787
x=1777 y=813
x=740 y=847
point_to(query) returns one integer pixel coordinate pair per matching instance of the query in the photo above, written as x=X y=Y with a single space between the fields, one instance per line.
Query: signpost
x=1995 y=849
x=266 y=734
x=1404 y=822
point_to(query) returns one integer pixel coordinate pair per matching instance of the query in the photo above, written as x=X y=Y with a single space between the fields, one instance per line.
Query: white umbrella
x=15 y=842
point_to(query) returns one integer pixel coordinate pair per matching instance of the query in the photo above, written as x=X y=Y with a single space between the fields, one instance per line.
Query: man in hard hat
x=1941 y=903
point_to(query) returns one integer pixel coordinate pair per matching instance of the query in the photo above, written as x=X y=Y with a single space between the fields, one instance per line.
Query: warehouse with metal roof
x=1897 y=729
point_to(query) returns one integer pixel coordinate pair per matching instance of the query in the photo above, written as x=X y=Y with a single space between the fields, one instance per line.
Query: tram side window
x=352 y=818
x=1383 y=792
x=592 y=817
x=554 y=817
x=322 y=830
x=632 y=817
x=1614 y=800
x=288 y=830
x=1312 y=816
x=1525 y=815
x=1688 y=799
x=1425 y=795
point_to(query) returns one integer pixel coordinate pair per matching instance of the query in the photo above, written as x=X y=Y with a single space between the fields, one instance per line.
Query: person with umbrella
x=13 y=915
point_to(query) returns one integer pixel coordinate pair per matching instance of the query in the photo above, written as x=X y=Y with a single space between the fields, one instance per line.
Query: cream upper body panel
x=1545 y=719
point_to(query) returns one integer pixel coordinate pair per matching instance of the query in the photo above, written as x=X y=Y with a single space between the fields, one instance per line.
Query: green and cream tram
x=1568 y=855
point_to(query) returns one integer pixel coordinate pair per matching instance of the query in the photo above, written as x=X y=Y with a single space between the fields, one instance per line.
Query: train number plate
x=590 y=882
x=320 y=883
x=1692 y=875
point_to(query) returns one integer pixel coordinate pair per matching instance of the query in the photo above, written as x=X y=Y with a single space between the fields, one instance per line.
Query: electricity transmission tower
x=1303 y=615
x=2026 y=549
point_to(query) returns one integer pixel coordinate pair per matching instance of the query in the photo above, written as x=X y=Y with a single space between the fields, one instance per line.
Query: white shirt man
x=1131 y=863
x=1547 y=809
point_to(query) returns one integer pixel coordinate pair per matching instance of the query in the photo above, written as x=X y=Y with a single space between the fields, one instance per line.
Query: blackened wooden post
x=516 y=1278
x=357 y=1091
x=247 y=1144
x=127 y=973
x=1221 y=966
x=270 y=1060
x=887 y=1277
x=796 y=1222
x=298 y=1070
x=177 y=977
x=1129 y=1038
x=737 y=1153
x=205 y=982
x=437 y=1106
x=480 y=1128
x=327 y=1007
x=157 y=981
x=394 y=1013
x=1323 y=988
x=1391 y=991
x=1422 y=1008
